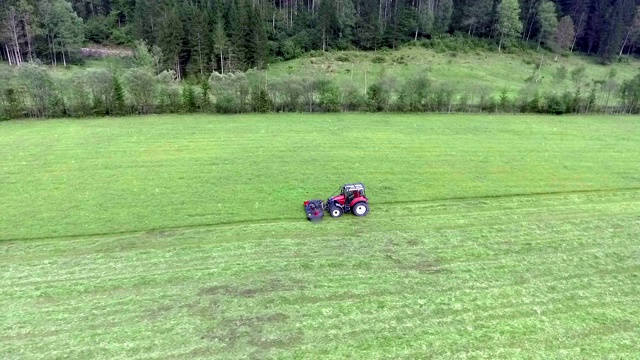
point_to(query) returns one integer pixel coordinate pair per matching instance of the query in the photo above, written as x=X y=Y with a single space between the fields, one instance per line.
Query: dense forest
x=200 y=36
x=223 y=47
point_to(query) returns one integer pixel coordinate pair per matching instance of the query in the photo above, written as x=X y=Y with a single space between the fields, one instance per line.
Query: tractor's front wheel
x=361 y=209
x=335 y=212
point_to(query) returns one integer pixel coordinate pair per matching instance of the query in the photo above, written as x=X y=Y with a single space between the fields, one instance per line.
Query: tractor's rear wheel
x=360 y=209
x=335 y=211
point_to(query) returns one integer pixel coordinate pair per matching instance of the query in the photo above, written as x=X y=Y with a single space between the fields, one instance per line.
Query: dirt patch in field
x=271 y=286
x=251 y=330
x=408 y=255
x=159 y=312
x=423 y=266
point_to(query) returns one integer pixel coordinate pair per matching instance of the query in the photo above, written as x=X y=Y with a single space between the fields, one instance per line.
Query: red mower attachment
x=314 y=209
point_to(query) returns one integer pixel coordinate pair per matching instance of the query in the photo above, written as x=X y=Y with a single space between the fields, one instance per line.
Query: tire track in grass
x=301 y=219
x=508 y=196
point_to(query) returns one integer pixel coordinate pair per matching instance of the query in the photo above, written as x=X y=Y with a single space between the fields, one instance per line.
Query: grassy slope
x=543 y=276
x=465 y=70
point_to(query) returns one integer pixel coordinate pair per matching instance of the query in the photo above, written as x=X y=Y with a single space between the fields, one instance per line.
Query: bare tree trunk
x=13 y=27
x=540 y=69
x=200 y=53
x=324 y=40
x=500 y=45
x=64 y=60
x=365 y=82
x=624 y=43
x=53 y=49
x=8 y=54
x=177 y=64
x=530 y=27
x=93 y=13
x=575 y=37
x=221 y=62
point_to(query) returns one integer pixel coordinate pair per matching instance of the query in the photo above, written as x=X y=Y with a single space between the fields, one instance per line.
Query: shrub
x=226 y=104
x=353 y=99
x=329 y=96
x=554 y=105
x=343 y=58
x=260 y=101
x=142 y=89
x=378 y=59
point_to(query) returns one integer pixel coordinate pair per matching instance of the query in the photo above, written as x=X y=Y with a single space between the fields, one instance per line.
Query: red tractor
x=351 y=198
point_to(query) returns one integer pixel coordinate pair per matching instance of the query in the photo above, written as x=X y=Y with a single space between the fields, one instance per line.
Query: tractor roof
x=353 y=187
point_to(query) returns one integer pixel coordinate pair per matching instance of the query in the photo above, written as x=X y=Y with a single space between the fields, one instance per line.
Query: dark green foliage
x=554 y=104
x=505 y=101
x=226 y=104
x=205 y=101
x=12 y=107
x=378 y=99
x=189 y=101
x=329 y=96
x=260 y=101
x=378 y=59
x=199 y=36
x=415 y=94
x=630 y=95
x=96 y=29
x=98 y=108
x=118 y=97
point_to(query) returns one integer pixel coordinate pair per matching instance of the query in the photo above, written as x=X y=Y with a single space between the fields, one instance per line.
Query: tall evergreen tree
x=328 y=24
x=477 y=16
x=443 y=16
x=346 y=21
x=170 y=38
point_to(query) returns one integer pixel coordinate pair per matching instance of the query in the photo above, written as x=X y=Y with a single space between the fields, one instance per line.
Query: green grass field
x=185 y=237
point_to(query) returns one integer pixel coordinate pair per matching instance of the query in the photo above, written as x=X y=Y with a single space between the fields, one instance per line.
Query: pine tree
x=443 y=16
x=199 y=41
x=118 y=98
x=189 y=102
x=328 y=24
x=170 y=39
x=235 y=22
x=477 y=16
x=346 y=21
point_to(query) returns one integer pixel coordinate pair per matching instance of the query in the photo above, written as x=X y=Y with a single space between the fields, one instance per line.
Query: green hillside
x=491 y=70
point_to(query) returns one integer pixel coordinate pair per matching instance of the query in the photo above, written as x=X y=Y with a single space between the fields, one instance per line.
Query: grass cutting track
x=180 y=237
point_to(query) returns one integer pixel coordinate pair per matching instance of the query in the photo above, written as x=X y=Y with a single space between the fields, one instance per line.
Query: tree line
x=138 y=88
x=196 y=37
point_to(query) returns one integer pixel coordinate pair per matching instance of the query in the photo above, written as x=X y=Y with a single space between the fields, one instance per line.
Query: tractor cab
x=351 y=199
x=351 y=192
